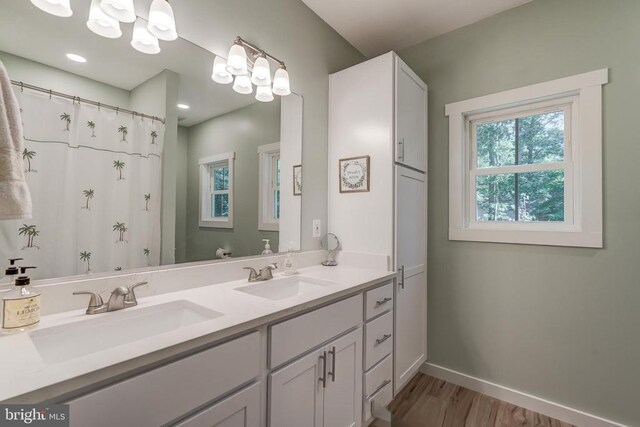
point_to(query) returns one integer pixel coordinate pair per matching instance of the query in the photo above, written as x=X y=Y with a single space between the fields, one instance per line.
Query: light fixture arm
x=256 y=51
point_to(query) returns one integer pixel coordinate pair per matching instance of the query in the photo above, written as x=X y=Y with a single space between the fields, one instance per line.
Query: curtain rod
x=84 y=101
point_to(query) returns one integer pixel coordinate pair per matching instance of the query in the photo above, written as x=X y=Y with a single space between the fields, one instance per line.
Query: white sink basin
x=64 y=342
x=282 y=288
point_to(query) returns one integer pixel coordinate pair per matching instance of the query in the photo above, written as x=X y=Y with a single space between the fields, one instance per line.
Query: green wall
x=240 y=131
x=558 y=323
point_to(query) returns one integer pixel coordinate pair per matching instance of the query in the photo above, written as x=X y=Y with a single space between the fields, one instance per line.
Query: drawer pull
x=383 y=385
x=323 y=379
x=383 y=301
x=383 y=339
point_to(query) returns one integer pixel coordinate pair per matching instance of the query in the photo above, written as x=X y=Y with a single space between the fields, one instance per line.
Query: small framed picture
x=354 y=174
x=297 y=180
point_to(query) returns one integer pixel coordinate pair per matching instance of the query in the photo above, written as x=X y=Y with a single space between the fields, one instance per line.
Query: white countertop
x=26 y=378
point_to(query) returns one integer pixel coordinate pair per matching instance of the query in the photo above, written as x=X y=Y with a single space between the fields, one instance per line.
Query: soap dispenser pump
x=12 y=271
x=267 y=248
x=21 y=305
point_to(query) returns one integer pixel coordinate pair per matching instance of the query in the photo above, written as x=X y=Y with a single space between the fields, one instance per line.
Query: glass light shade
x=281 y=82
x=54 y=7
x=261 y=75
x=237 y=61
x=161 y=21
x=220 y=73
x=143 y=41
x=122 y=10
x=101 y=23
x=264 y=94
x=242 y=84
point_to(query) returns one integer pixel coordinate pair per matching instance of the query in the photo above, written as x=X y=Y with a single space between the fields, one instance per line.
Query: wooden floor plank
x=429 y=402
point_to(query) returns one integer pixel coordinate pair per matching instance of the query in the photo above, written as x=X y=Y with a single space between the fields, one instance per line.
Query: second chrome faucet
x=266 y=273
x=121 y=297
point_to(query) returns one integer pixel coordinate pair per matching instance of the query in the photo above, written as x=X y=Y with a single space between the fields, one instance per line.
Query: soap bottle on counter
x=289 y=261
x=20 y=306
x=267 y=248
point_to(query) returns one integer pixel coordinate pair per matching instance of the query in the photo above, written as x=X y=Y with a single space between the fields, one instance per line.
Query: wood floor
x=430 y=402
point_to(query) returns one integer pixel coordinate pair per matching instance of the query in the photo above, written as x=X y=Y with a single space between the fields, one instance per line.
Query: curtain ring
x=117 y=109
x=21 y=87
x=50 y=93
x=98 y=106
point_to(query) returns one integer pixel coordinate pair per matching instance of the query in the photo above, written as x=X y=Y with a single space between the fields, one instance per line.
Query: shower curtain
x=95 y=181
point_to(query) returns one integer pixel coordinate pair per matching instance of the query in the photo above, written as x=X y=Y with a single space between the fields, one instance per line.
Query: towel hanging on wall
x=15 y=198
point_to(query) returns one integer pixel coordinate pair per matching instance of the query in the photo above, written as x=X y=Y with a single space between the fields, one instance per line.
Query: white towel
x=15 y=198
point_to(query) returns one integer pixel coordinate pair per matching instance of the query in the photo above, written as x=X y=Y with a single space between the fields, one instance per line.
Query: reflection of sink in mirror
x=289 y=287
x=64 y=342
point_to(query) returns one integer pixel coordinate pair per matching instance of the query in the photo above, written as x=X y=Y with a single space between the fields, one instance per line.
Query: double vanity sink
x=81 y=338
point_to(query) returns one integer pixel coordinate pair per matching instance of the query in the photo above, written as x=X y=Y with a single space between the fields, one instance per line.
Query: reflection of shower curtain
x=94 y=176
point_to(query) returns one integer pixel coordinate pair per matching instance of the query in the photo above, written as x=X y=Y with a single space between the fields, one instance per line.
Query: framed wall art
x=297 y=180
x=354 y=174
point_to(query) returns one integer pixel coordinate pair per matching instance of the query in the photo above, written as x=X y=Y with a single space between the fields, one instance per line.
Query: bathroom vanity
x=310 y=349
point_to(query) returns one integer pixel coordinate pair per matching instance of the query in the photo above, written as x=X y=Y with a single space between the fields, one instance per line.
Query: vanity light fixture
x=220 y=73
x=76 y=58
x=242 y=84
x=101 y=23
x=122 y=10
x=143 y=41
x=281 y=82
x=238 y=65
x=60 y=8
x=264 y=94
x=162 y=23
x=183 y=106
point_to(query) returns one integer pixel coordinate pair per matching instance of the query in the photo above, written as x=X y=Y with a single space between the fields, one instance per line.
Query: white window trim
x=265 y=221
x=584 y=228
x=205 y=195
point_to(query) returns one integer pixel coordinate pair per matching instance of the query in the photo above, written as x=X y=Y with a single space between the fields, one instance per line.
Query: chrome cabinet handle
x=383 y=385
x=401 y=277
x=323 y=379
x=401 y=150
x=383 y=339
x=383 y=301
x=332 y=374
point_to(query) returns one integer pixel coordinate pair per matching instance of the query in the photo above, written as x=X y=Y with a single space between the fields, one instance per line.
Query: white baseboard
x=527 y=401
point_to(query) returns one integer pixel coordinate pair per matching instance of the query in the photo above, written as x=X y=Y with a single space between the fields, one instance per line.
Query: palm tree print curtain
x=95 y=177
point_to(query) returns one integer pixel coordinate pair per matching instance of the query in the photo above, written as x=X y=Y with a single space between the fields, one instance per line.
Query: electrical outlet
x=316 y=228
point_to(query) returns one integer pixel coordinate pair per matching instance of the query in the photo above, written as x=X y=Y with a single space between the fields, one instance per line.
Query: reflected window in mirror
x=269 y=187
x=216 y=191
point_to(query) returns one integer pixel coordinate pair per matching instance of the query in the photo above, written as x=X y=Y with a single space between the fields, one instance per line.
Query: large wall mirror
x=183 y=169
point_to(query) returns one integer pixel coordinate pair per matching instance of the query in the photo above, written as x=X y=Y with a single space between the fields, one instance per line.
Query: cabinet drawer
x=166 y=393
x=379 y=376
x=379 y=339
x=239 y=410
x=300 y=334
x=378 y=402
x=379 y=300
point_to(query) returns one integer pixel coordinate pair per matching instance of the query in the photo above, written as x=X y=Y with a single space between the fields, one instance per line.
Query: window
x=216 y=191
x=525 y=166
x=269 y=191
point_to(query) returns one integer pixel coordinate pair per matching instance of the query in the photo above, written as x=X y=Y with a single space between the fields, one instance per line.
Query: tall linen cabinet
x=379 y=109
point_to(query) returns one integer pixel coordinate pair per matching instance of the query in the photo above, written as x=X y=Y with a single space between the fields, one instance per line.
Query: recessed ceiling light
x=183 y=106
x=76 y=58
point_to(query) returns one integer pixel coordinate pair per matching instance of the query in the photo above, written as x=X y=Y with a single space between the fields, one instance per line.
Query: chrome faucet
x=266 y=273
x=122 y=297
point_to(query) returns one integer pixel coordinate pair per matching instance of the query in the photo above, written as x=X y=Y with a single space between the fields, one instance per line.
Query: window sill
x=528 y=237
x=215 y=224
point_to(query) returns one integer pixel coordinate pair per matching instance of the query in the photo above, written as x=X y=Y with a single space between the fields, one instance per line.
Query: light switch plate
x=316 y=228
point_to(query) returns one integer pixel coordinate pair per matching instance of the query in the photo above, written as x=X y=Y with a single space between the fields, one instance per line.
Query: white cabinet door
x=239 y=410
x=411 y=297
x=411 y=118
x=343 y=394
x=296 y=392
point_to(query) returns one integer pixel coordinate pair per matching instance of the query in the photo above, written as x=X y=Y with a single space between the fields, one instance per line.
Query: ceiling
x=375 y=27
x=28 y=32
